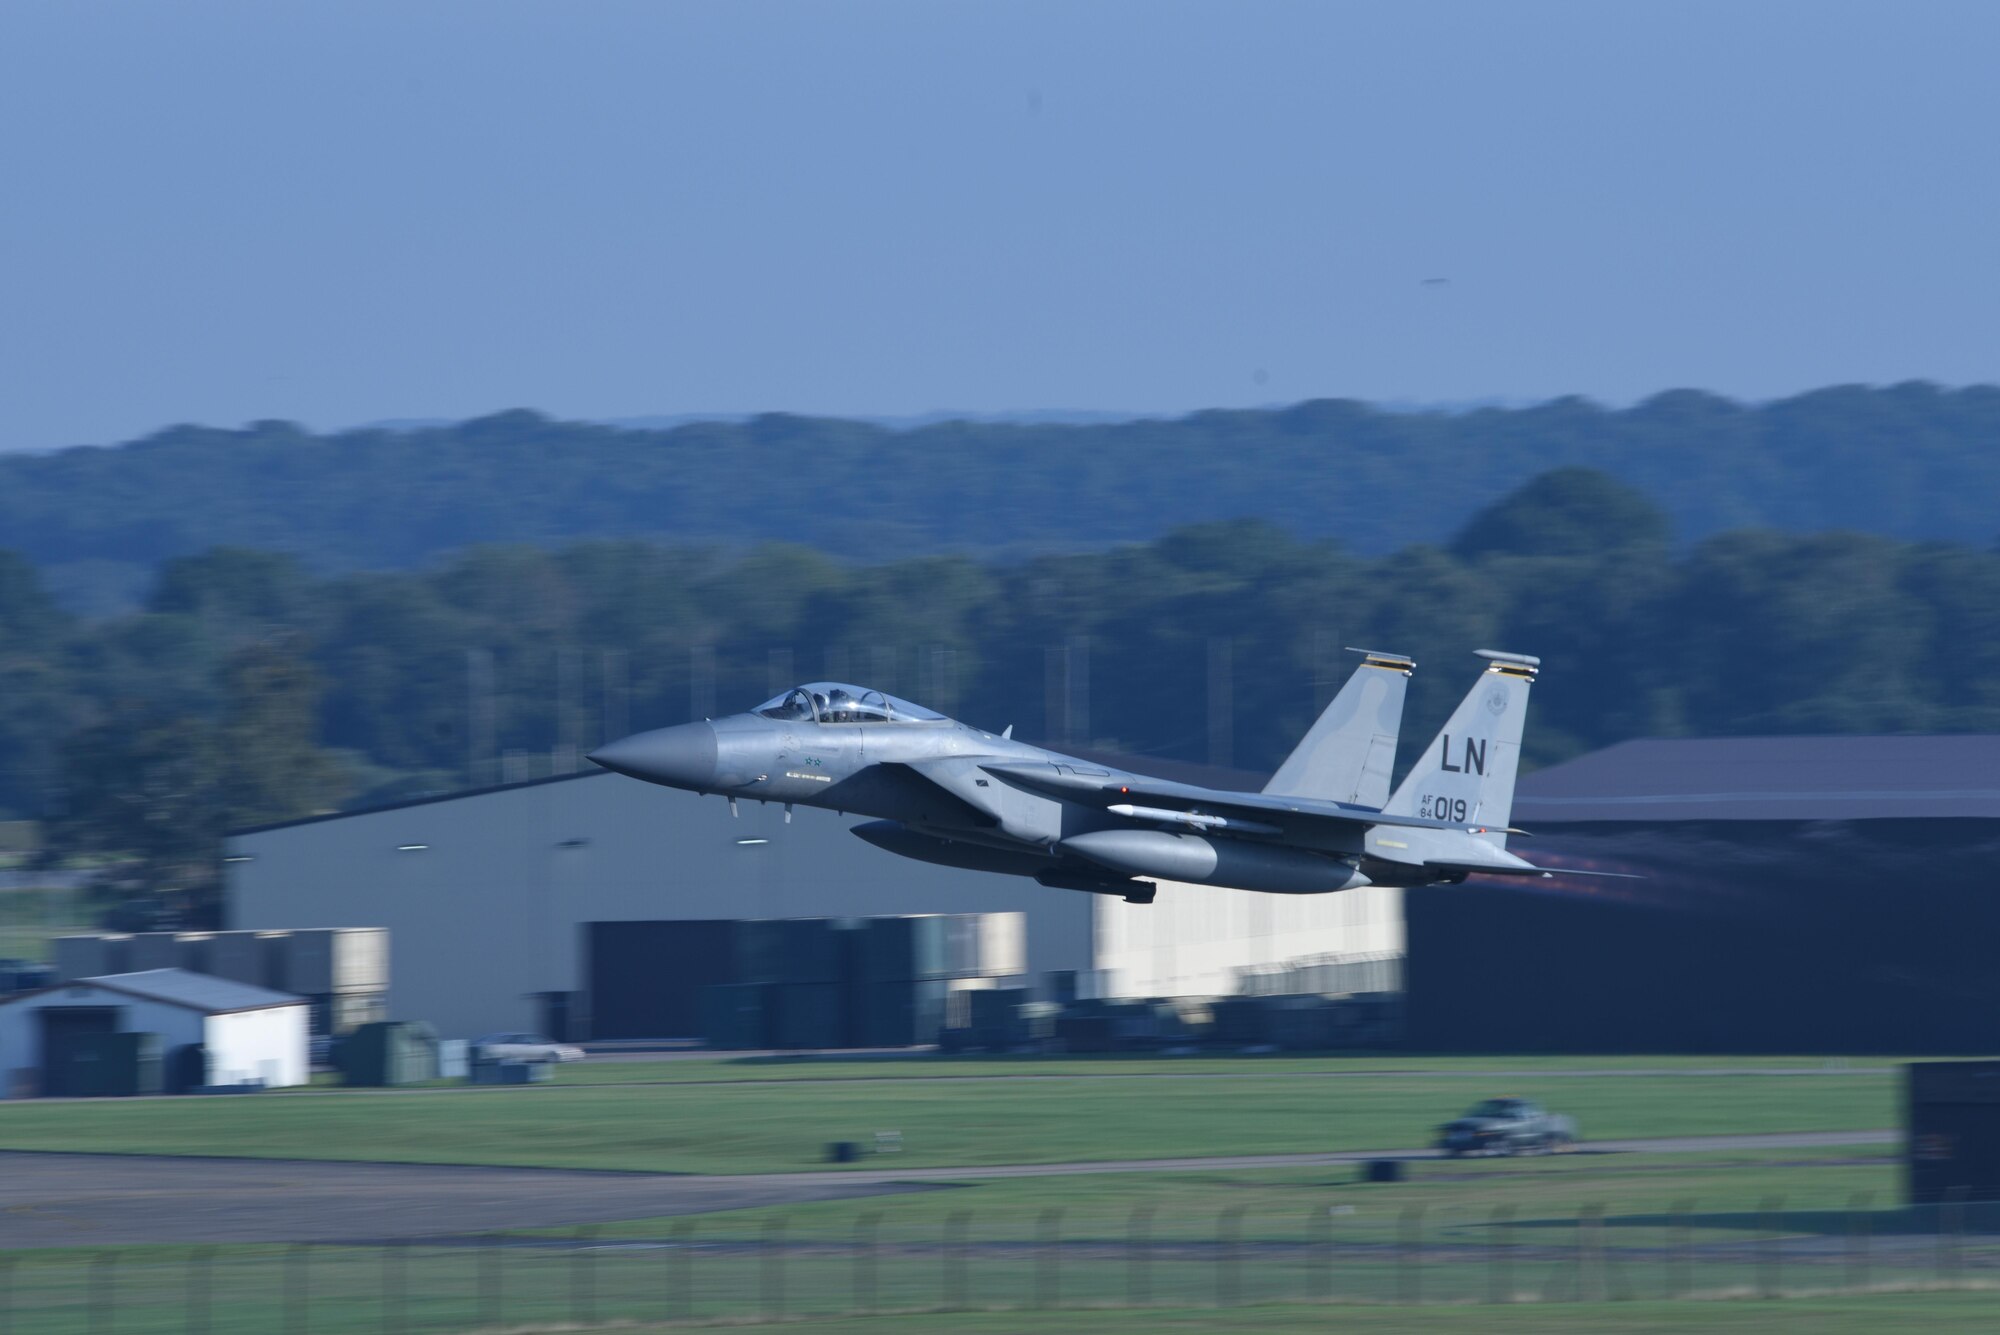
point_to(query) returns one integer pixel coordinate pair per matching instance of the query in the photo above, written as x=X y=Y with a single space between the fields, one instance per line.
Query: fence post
x=490 y=1280
x=296 y=1278
x=1229 y=1257
x=1319 y=1263
x=1950 y=1225
x=1680 y=1253
x=201 y=1262
x=1410 y=1255
x=954 y=1260
x=1048 y=1276
x=1451 y=1224
x=583 y=1276
x=1590 y=1282
x=1859 y=1239
x=1770 y=1262
x=394 y=1319
x=680 y=1272
x=1500 y=1256
x=771 y=1270
x=864 y=1263
x=103 y=1291
x=1610 y=1273
x=1139 y=1257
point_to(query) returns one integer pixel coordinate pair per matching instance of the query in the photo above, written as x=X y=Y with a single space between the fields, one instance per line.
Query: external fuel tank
x=1232 y=863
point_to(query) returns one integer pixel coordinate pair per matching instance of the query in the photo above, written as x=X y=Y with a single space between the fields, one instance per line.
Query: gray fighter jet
x=946 y=792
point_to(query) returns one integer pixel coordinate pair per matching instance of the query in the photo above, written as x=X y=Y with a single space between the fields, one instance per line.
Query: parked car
x=1506 y=1126
x=523 y=1048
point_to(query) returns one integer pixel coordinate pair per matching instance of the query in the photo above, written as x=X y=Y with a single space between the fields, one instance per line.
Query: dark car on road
x=1506 y=1126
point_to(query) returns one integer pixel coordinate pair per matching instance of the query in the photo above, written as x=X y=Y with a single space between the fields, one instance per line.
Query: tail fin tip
x=1377 y=658
x=1466 y=775
x=1502 y=661
x=1349 y=754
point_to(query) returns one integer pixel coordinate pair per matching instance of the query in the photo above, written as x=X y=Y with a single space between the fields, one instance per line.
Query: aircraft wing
x=1247 y=813
x=953 y=780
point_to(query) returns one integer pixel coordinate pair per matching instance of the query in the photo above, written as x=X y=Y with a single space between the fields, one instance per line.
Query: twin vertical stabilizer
x=1466 y=775
x=1350 y=753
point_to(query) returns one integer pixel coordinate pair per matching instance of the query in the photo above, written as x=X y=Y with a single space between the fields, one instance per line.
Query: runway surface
x=83 y=1200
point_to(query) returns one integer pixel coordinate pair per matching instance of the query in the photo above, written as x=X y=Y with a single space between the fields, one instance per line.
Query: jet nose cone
x=682 y=757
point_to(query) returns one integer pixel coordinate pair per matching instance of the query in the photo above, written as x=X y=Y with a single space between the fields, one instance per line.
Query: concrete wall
x=268 y=1045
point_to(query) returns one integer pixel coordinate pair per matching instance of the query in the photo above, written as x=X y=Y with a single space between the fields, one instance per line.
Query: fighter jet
x=946 y=792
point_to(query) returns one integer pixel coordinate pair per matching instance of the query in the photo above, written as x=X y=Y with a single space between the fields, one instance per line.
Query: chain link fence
x=744 y=1272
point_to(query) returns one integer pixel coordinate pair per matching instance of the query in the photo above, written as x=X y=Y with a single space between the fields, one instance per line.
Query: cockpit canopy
x=838 y=702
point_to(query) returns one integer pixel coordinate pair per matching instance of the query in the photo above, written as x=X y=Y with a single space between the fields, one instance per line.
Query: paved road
x=84 y=1200
x=1670 y=1145
x=81 y=1200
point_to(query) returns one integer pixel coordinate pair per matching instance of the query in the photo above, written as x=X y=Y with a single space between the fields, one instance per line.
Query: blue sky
x=222 y=210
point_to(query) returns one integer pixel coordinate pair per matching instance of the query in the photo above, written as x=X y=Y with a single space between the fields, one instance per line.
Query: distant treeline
x=1214 y=642
x=1911 y=461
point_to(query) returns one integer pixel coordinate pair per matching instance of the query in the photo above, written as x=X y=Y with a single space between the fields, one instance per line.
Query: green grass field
x=356 y=1290
x=928 y=1066
x=784 y=1126
x=1932 y=1313
x=1724 y=1193
x=1669 y=1224
x=1309 y=1251
x=1214 y=1250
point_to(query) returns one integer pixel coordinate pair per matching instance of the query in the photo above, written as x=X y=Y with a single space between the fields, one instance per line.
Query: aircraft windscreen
x=837 y=702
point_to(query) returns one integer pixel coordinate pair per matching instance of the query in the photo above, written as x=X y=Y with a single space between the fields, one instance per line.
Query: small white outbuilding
x=250 y=1034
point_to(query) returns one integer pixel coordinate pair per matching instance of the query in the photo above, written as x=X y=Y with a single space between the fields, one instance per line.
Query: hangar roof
x=1769 y=778
x=178 y=987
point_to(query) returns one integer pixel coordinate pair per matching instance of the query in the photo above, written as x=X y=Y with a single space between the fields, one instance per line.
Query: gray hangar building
x=490 y=896
x=1837 y=894
x=1799 y=894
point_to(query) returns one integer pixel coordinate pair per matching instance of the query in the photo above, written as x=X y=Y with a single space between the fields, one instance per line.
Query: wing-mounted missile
x=1194 y=820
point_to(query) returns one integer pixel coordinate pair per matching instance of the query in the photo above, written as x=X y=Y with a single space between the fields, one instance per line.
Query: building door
x=561 y=1017
x=61 y=1027
x=645 y=979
